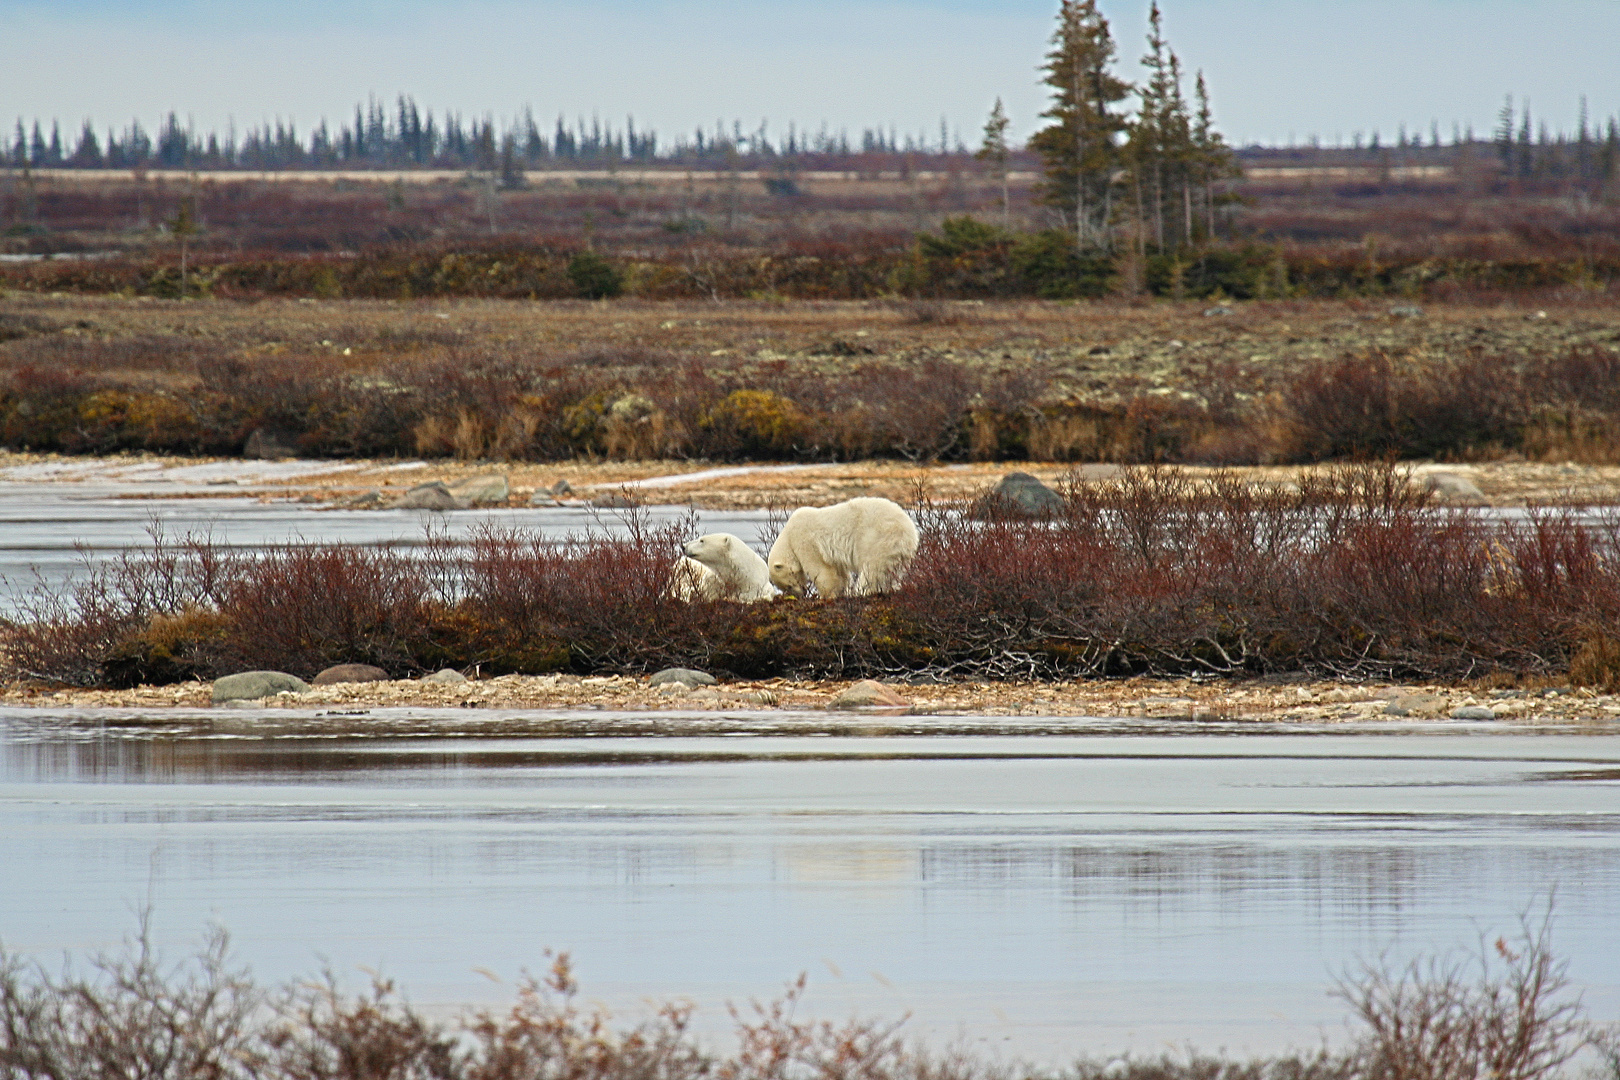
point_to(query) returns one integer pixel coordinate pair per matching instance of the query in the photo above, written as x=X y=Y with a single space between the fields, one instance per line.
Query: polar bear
x=726 y=569
x=690 y=580
x=856 y=548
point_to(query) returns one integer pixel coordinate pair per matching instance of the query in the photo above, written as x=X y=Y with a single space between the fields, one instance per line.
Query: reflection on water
x=1052 y=894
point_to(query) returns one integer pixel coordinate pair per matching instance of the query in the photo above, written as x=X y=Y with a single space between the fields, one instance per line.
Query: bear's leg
x=830 y=582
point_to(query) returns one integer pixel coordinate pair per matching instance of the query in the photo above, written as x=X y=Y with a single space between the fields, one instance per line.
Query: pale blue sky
x=1276 y=68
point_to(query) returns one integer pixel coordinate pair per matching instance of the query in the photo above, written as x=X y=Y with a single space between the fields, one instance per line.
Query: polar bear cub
x=726 y=569
x=856 y=548
x=690 y=580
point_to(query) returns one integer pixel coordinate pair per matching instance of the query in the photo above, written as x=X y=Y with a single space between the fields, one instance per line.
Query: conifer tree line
x=407 y=136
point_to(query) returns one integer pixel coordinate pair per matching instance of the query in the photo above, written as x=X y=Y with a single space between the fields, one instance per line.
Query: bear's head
x=712 y=550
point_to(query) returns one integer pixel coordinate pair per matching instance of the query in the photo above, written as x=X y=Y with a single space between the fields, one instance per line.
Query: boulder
x=1416 y=705
x=364 y=501
x=1406 y=311
x=252 y=685
x=561 y=488
x=1019 y=495
x=868 y=694
x=542 y=497
x=433 y=495
x=1452 y=486
x=483 y=489
x=447 y=676
x=614 y=500
x=342 y=673
x=1473 y=712
x=1217 y=311
x=270 y=444
x=684 y=676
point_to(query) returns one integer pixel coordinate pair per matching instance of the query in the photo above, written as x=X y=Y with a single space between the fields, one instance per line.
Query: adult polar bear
x=720 y=566
x=855 y=548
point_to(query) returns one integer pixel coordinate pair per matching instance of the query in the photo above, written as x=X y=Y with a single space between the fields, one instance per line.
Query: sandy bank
x=1150 y=698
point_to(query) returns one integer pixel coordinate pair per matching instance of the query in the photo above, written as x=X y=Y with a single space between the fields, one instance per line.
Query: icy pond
x=1123 y=886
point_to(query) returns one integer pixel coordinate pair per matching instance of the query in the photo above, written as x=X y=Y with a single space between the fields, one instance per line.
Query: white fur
x=856 y=548
x=690 y=580
x=738 y=573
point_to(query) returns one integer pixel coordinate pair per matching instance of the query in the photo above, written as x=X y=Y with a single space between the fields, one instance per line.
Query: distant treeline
x=411 y=137
x=407 y=136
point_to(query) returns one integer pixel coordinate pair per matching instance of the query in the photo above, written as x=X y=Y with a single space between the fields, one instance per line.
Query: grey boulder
x=614 y=500
x=447 y=676
x=868 y=694
x=252 y=685
x=1452 y=486
x=479 y=490
x=1019 y=495
x=342 y=673
x=433 y=495
x=685 y=676
x=1473 y=712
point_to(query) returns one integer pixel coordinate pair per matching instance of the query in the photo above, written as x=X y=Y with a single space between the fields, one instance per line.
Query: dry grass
x=809 y=381
x=1505 y=1012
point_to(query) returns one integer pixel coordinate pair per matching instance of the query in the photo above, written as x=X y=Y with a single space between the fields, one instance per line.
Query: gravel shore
x=1150 y=698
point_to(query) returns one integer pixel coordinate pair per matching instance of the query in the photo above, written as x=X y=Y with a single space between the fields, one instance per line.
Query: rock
x=252 y=685
x=542 y=497
x=685 y=676
x=480 y=490
x=447 y=676
x=867 y=694
x=1217 y=311
x=270 y=444
x=1019 y=495
x=614 y=500
x=1473 y=712
x=1416 y=705
x=561 y=488
x=365 y=500
x=1406 y=311
x=1452 y=486
x=761 y=697
x=433 y=495
x=341 y=673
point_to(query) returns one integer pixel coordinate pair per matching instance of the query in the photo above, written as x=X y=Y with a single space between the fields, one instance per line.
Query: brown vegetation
x=129 y=1015
x=1351 y=574
x=924 y=380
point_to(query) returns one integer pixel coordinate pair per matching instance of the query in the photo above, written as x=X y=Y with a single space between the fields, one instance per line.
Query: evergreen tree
x=184 y=226
x=37 y=150
x=1079 y=145
x=87 y=155
x=994 y=150
x=1213 y=159
x=1504 y=132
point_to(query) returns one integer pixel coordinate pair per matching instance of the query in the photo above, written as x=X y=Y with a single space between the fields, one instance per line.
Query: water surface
x=1129 y=884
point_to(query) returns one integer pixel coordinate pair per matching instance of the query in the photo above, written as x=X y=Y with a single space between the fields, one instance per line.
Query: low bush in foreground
x=1353 y=575
x=1505 y=1012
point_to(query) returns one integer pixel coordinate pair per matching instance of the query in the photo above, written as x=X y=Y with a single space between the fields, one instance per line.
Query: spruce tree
x=1078 y=146
x=87 y=155
x=1214 y=160
x=994 y=150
